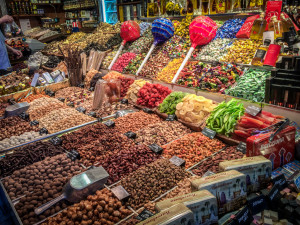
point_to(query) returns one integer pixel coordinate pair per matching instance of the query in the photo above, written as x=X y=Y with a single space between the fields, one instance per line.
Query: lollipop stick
x=116 y=56
x=183 y=64
x=145 y=59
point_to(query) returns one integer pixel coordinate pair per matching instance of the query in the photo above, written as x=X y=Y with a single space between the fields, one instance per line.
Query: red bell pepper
x=242 y=133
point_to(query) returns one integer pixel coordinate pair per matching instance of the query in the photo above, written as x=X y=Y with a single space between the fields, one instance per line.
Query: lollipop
x=162 y=30
x=202 y=30
x=130 y=31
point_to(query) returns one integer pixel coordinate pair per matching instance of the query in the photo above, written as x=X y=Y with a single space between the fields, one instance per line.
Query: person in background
x=4 y=60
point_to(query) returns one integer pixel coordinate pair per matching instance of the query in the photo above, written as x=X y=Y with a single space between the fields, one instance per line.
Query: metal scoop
x=79 y=187
x=119 y=113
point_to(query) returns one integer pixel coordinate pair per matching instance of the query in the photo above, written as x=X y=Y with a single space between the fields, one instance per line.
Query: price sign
x=257 y=204
x=56 y=141
x=34 y=123
x=35 y=79
x=209 y=133
x=253 y=110
x=145 y=214
x=177 y=161
x=244 y=216
x=92 y=114
x=124 y=101
x=156 y=148
x=130 y=134
x=109 y=123
x=242 y=147
x=146 y=110
x=171 y=117
x=43 y=131
x=81 y=109
x=280 y=181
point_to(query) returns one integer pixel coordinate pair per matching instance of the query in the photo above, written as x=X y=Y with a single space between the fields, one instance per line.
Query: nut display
x=27 y=155
x=14 y=126
x=135 y=121
x=14 y=82
x=32 y=97
x=2 y=108
x=132 y=93
x=126 y=161
x=32 y=177
x=101 y=208
x=44 y=110
x=142 y=184
x=212 y=163
x=66 y=92
x=192 y=148
x=161 y=133
x=17 y=140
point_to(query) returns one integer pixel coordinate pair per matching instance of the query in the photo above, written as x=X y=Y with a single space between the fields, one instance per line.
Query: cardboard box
x=203 y=204
x=280 y=151
x=257 y=170
x=177 y=214
x=228 y=187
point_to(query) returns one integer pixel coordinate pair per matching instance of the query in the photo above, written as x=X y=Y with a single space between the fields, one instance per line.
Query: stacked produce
x=154 y=64
x=230 y=28
x=134 y=64
x=101 y=208
x=132 y=93
x=151 y=95
x=27 y=155
x=251 y=85
x=225 y=116
x=125 y=84
x=192 y=148
x=161 y=133
x=125 y=161
x=135 y=121
x=241 y=51
x=31 y=177
x=167 y=74
x=193 y=109
x=142 y=184
x=248 y=124
x=169 y=104
x=212 y=163
x=14 y=126
x=123 y=61
x=14 y=82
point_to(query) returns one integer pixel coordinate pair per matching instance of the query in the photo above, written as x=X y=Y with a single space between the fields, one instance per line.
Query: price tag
x=145 y=214
x=76 y=154
x=24 y=116
x=81 y=109
x=124 y=101
x=171 y=117
x=280 y=181
x=177 y=161
x=244 y=216
x=109 y=123
x=43 y=131
x=92 y=114
x=50 y=93
x=91 y=89
x=209 y=133
x=257 y=204
x=156 y=148
x=61 y=99
x=34 y=123
x=253 y=110
x=80 y=85
x=12 y=101
x=146 y=110
x=120 y=193
x=242 y=147
x=35 y=80
x=70 y=104
x=130 y=134
x=274 y=194
x=56 y=141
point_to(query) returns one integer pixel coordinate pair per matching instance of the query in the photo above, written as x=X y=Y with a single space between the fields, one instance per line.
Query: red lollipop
x=130 y=31
x=202 y=30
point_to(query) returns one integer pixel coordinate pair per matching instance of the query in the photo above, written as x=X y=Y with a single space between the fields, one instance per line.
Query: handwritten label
x=81 y=109
x=145 y=214
x=50 y=93
x=34 y=123
x=56 y=141
x=43 y=131
x=146 y=110
x=24 y=116
x=130 y=134
x=257 y=204
x=242 y=147
x=120 y=193
x=109 y=123
x=209 y=133
x=171 y=117
x=61 y=99
x=253 y=110
x=177 y=161
x=73 y=155
x=92 y=114
x=156 y=148
x=124 y=101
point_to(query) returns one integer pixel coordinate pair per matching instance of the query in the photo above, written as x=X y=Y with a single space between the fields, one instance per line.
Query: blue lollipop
x=162 y=30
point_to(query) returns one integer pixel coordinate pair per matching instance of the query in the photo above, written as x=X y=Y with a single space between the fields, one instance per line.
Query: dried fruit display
x=170 y=102
x=132 y=93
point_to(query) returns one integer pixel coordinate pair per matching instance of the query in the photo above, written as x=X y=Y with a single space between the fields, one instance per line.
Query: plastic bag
x=12 y=30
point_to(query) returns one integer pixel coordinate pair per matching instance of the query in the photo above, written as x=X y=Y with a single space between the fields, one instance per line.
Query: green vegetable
x=225 y=116
x=168 y=106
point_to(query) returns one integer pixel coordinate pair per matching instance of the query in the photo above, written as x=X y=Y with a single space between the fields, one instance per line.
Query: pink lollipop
x=130 y=31
x=202 y=30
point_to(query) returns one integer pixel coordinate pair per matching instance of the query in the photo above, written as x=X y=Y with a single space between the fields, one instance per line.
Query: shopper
x=4 y=60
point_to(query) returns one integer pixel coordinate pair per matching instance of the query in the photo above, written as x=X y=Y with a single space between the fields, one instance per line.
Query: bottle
x=259 y=56
x=258 y=27
x=190 y=7
x=287 y=24
x=276 y=26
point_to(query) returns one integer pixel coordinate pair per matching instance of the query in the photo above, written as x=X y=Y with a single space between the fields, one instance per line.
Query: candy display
x=140 y=45
x=192 y=148
x=151 y=95
x=193 y=109
x=225 y=116
x=230 y=28
x=169 y=71
x=251 y=85
x=123 y=61
x=134 y=64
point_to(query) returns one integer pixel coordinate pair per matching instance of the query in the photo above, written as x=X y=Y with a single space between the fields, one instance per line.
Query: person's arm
x=14 y=51
x=6 y=19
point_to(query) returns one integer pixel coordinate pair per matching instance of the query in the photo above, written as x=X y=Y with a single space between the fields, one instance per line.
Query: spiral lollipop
x=202 y=30
x=130 y=31
x=162 y=30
